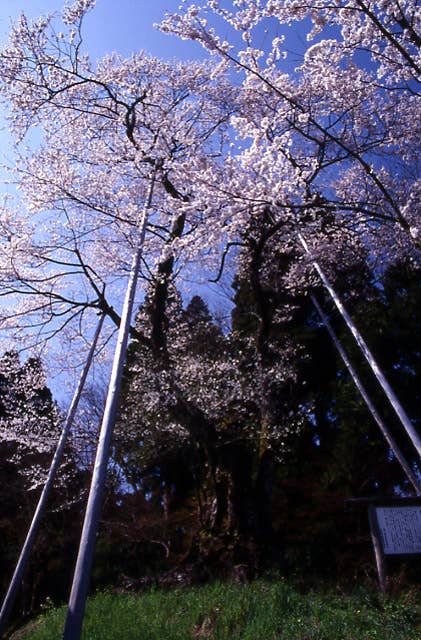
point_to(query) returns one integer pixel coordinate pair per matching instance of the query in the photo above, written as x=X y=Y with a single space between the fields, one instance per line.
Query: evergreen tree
x=256 y=438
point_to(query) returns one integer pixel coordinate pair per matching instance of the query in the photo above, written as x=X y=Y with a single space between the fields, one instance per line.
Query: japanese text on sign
x=400 y=529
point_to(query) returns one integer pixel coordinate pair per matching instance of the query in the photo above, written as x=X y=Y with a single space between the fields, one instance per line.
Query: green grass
x=256 y=611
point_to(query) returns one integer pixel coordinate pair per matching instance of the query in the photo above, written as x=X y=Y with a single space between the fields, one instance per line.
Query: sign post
x=395 y=527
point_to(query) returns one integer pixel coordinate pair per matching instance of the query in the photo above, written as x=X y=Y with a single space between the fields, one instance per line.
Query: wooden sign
x=395 y=526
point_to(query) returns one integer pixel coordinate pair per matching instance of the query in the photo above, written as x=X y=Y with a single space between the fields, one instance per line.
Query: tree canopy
x=332 y=143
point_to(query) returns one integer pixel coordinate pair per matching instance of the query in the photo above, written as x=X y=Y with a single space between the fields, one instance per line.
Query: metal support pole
x=383 y=428
x=391 y=396
x=79 y=592
x=33 y=530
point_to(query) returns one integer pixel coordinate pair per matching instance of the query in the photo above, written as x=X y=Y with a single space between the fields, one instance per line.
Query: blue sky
x=114 y=25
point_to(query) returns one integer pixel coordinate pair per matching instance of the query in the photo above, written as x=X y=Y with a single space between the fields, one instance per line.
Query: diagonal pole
x=390 y=394
x=79 y=592
x=383 y=428
x=36 y=520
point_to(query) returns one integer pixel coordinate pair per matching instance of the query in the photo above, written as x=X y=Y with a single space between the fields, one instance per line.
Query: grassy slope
x=257 y=611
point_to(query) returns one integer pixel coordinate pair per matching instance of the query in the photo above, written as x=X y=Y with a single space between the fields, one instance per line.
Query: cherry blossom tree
x=29 y=420
x=337 y=134
x=327 y=152
x=111 y=177
x=97 y=132
x=335 y=139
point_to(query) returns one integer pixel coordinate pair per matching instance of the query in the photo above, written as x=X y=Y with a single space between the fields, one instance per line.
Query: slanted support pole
x=383 y=428
x=36 y=520
x=79 y=592
x=390 y=394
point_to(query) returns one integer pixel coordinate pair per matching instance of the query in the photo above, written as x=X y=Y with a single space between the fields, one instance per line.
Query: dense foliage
x=242 y=465
x=29 y=428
